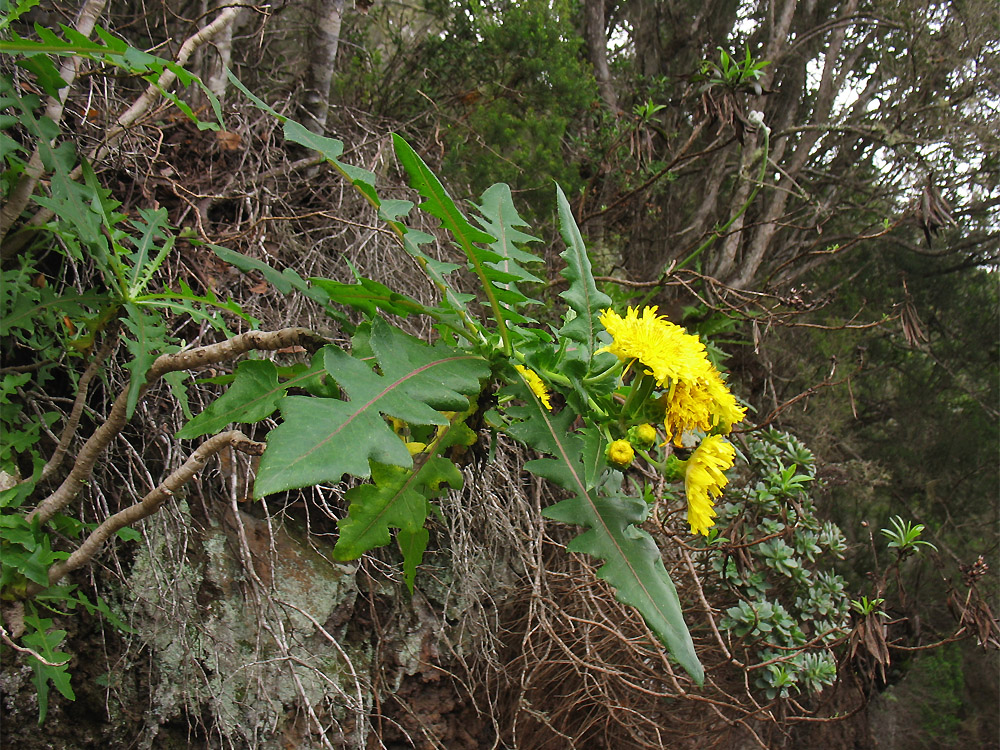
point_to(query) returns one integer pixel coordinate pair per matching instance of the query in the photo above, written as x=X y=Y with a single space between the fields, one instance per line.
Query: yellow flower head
x=620 y=453
x=697 y=397
x=536 y=385
x=726 y=411
x=704 y=479
x=686 y=407
x=666 y=350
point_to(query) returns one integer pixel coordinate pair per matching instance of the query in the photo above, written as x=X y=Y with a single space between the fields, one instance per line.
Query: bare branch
x=69 y=429
x=204 y=355
x=150 y=503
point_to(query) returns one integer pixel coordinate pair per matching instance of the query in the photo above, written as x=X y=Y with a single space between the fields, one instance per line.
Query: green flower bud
x=643 y=435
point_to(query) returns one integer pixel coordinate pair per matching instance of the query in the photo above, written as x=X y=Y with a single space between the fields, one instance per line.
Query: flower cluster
x=693 y=397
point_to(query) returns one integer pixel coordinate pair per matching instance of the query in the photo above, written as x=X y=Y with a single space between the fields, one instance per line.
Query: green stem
x=637 y=395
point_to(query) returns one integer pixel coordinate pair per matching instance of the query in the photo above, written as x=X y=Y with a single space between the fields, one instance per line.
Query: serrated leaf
x=146 y=344
x=500 y=219
x=436 y=270
x=321 y=439
x=284 y=281
x=584 y=298
x=632 y=562
x=152 y=227
x=398 y=499
x=44 y=641
x=254 y=394
x=483 y=261
x=28 y=307
x=199 y=307
x=178 y=388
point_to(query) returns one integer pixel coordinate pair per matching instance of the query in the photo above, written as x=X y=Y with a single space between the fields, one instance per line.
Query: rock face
x=247 y=633
x=246 y=627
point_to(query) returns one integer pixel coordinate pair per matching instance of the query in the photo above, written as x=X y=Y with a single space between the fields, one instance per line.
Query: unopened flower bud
x=643 y=435
x=620 y=453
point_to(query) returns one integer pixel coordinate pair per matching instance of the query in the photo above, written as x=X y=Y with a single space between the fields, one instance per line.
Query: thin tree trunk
x=595 y=35
x=329 y=16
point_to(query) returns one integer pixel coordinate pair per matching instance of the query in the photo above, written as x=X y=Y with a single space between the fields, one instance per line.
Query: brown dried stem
x=69 y=429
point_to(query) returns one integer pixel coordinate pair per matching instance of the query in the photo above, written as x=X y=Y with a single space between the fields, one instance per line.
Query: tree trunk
x=595 y=35
x=329 y=16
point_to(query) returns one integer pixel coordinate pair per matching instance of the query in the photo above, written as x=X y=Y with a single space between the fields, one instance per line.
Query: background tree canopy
x=810 y=186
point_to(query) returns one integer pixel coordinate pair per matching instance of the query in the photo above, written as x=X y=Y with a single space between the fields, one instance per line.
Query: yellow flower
x=536 y=385
x=620 y=453
x=697 y=397
x=667 y=351
x=704 y=479
x=726 y=411
x=686 y=407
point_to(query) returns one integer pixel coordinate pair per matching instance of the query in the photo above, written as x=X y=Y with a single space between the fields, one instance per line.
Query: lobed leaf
x=321 y=439
x=254 y=395
x=399 y=498
x=584 y=298
x=369 y=297
x=633 y=564
x=147 y=342
x=485 y=262
x=500 y=219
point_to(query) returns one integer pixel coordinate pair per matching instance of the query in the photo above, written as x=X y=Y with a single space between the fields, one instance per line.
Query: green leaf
x=369 y=297
x=27 y=310
x=482 y=261
x=584 y=298
x=128 y=534
x=198 y=306
x=397 y=499
x=44 y=641
x=147 y=343
x=46 y=73
x=500 y=219
x=152 y=227
x=284 y=281
x=253 y=396
x=11 y=14
x=178 y=387
x=321 y=439
x=36 y=566
x=412 y=544
x=633 y=564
